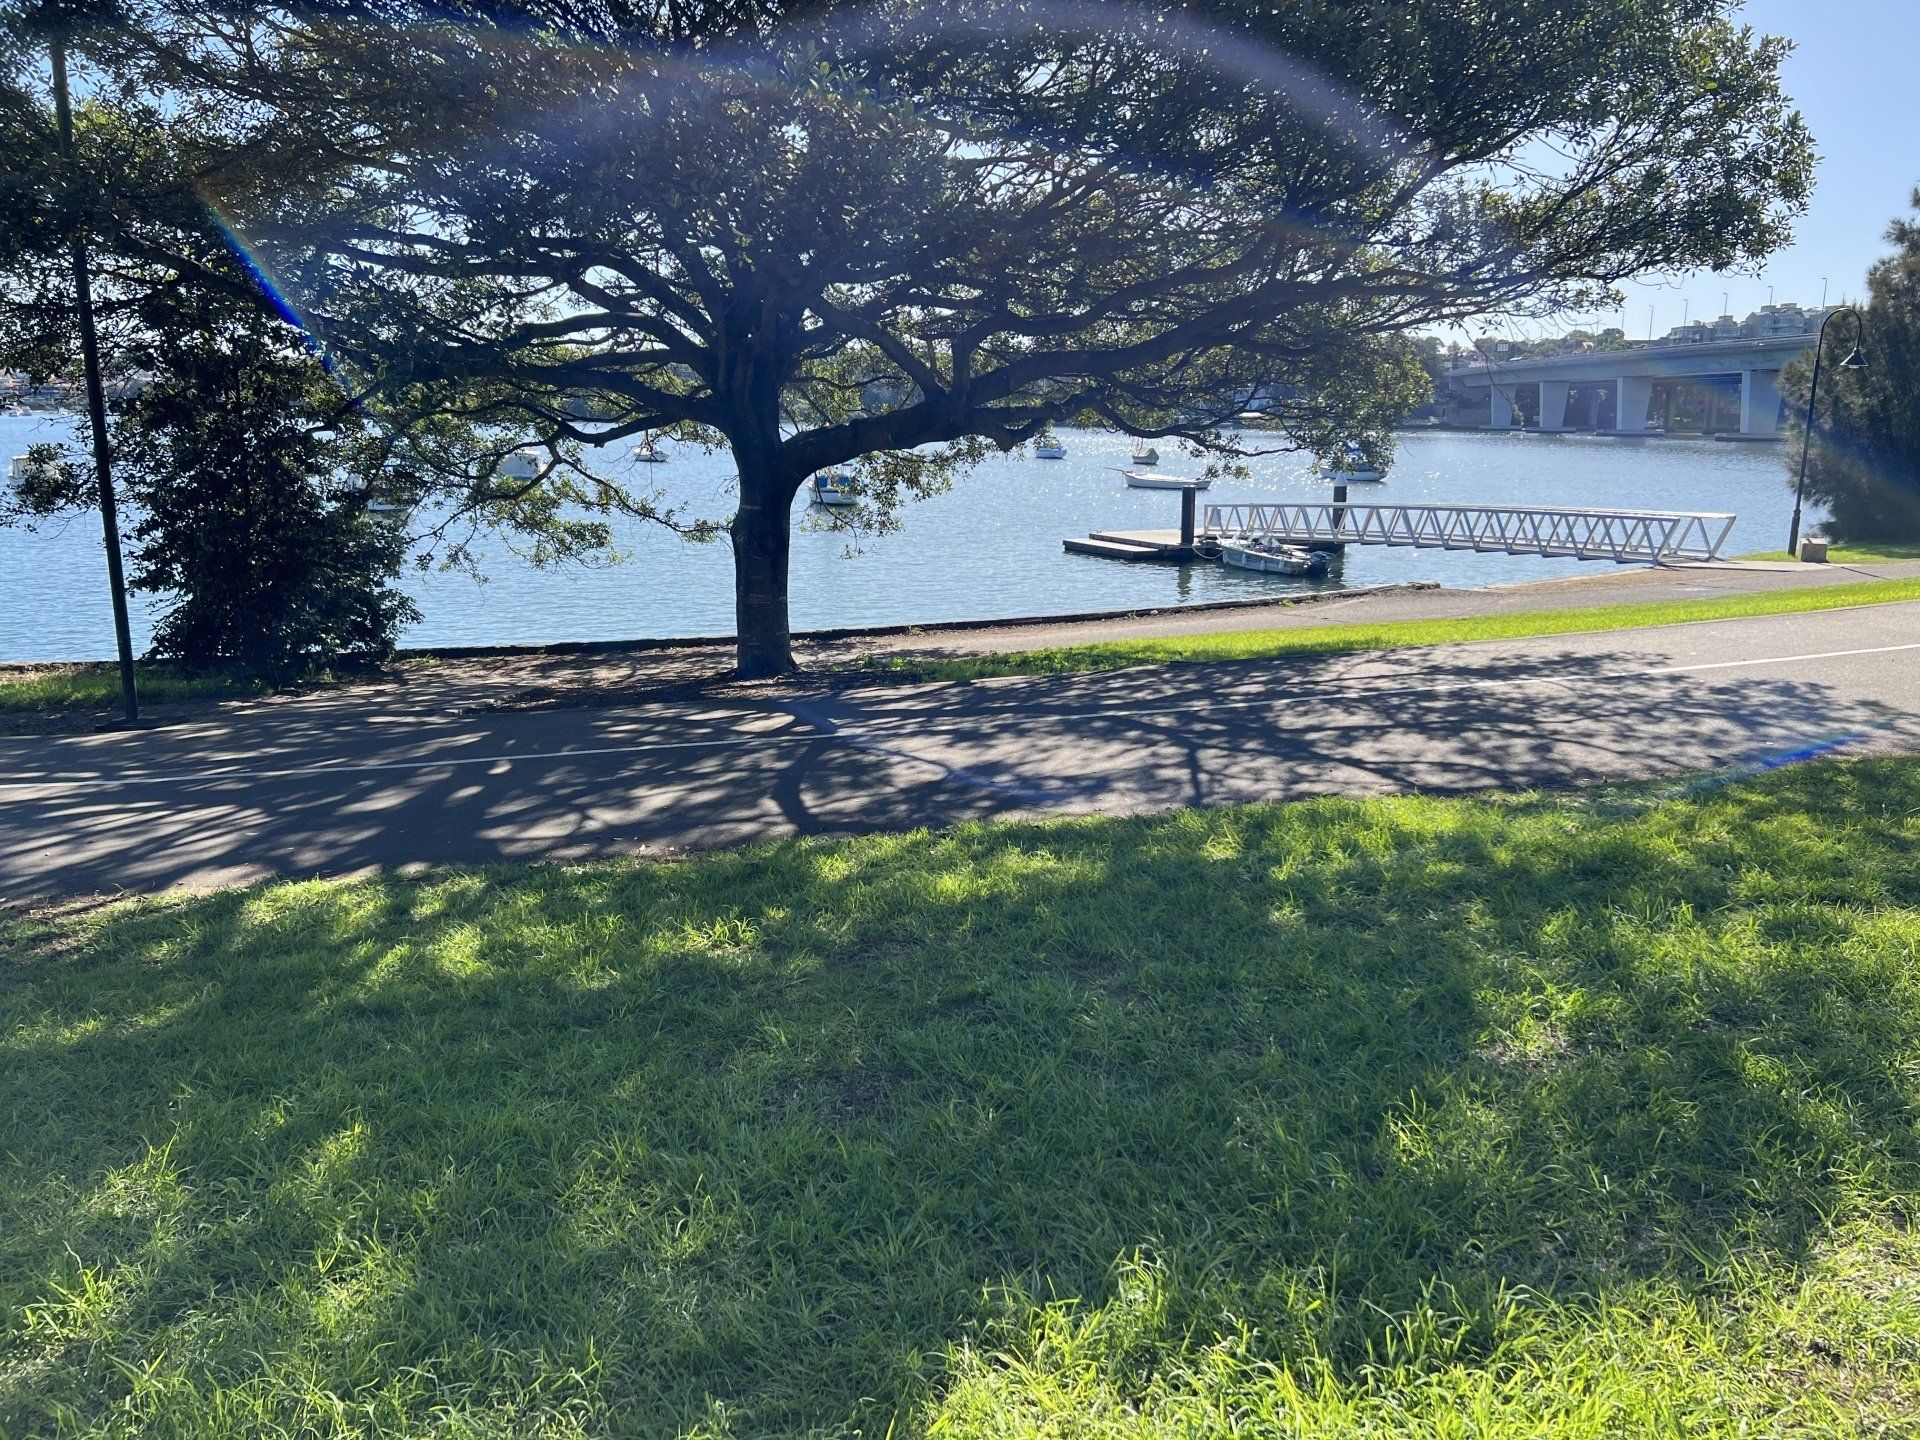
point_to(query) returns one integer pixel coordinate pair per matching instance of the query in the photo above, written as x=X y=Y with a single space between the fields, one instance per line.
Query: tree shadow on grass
x=633 y=1147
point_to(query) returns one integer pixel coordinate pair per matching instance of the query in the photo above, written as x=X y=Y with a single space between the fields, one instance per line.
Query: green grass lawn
x=1578 y=1116
x=1393 y=635
x=97 y=687
x=1851 y=554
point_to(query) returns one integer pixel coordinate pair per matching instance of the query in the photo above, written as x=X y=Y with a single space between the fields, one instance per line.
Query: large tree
x=1864 y=465
x=895 y=235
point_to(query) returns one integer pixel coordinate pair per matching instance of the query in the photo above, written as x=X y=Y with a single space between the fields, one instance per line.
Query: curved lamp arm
x=1855 y=361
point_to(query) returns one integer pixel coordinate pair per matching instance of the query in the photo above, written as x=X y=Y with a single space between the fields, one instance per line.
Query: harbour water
x=989 y=548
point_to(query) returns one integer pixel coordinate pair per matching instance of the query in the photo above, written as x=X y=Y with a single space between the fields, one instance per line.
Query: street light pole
x=1856 y=361
x=96 y=401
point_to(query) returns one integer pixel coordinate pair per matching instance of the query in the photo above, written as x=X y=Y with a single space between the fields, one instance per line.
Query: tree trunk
x=762 y=542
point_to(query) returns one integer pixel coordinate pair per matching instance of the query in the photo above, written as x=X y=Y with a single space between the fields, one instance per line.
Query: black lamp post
x=1856 y=361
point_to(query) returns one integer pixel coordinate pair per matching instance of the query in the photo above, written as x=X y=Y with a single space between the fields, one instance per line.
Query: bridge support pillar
x=1502 y=409
x=1759 y=402
x=1553 y=404
x=1634 y=395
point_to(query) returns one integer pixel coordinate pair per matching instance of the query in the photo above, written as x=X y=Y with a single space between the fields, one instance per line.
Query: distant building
x=1769 y=322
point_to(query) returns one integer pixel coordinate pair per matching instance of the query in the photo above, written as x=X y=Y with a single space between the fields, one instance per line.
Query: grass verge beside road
x=1850 y=554
x=91 y=686
x=1580 y=1115
x=1390 y=635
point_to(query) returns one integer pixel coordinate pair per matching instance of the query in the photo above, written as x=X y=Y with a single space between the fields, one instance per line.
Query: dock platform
x=1149 y=546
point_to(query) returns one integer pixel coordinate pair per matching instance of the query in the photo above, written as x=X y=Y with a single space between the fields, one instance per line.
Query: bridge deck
x=1625 y=535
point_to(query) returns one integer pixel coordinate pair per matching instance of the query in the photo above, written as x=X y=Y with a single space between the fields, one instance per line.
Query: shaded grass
x=1393 y=635
x=1583 y=1116
x=97 y=687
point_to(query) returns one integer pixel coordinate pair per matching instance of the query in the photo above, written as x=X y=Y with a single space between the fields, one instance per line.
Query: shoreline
x=1396 y=600
x=641 y=644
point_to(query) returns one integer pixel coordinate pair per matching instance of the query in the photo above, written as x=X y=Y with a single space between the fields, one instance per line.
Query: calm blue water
x=988 y=548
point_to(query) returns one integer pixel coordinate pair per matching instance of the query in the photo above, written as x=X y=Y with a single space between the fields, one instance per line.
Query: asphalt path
x=323 y=785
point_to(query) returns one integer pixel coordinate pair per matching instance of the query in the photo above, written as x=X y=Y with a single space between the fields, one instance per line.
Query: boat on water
x=1271 y=557
x=648 y=453
x=1136 y=480
x=526 y=463
x=834 y=487
x=1048 y=447
x=27 y=469
x=1351 y=467
x=1144 y=454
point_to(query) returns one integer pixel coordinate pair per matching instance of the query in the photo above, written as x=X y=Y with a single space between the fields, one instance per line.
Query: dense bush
x=240 y=460
x=1865 y=463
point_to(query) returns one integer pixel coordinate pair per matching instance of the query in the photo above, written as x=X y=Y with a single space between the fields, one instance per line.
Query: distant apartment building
x=1769 y=322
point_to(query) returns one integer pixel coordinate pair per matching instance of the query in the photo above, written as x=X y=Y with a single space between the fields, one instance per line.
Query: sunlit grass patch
x=1576 y=1115
x=1394 y=635
x=1880 y=552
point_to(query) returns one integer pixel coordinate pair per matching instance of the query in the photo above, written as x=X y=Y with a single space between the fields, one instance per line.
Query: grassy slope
x=88 y=687
x=1329 y=639
x=1583 y=1116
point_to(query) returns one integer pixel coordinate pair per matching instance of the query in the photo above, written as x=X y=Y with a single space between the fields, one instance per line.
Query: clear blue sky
x=1853 y=77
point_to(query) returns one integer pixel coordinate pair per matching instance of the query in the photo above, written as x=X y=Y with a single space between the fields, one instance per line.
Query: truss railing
x=1624 y=535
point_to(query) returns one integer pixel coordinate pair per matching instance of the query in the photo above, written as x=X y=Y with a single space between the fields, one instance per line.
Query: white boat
x=25 y=469
x=648 y=453
x=834 y=487
x=1270 y=557
x=1048 y=448
x=1352 y=467
x=526 y=463
x=1136 y=480
x=1145 y=455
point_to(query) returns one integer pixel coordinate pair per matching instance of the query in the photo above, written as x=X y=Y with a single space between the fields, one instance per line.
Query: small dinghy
x=1270 y=557
x=1352 y=467
x=1145 y=455
x=834 y=487
x=1136 y=480
x=648 y=453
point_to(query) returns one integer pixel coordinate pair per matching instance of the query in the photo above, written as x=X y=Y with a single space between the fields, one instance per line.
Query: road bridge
x=1628 y=378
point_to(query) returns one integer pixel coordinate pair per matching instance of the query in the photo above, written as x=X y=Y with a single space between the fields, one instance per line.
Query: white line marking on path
x=921 y=725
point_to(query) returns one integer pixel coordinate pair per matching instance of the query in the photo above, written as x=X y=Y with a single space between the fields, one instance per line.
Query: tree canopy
x=1864 y=465
x=894 y=235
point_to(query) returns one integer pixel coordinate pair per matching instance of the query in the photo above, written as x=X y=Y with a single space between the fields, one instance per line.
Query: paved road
x=335 y=785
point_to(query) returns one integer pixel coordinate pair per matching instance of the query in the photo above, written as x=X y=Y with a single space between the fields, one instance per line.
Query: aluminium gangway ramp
x=1654 y=536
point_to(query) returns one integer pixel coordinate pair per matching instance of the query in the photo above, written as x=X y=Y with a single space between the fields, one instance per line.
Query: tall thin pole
x=96 y=403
